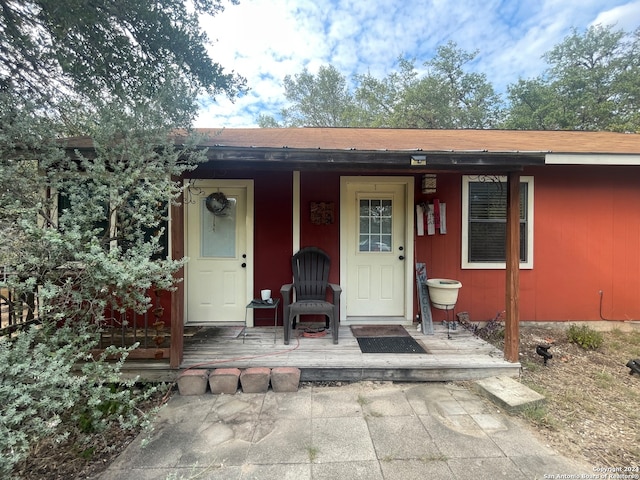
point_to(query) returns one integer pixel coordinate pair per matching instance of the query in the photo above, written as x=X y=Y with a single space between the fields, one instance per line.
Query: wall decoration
x=217 y=203
x=322 y=213
x=430 y=217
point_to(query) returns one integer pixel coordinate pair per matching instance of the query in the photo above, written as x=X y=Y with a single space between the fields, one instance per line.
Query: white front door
x=376 y=255
x=219 y=274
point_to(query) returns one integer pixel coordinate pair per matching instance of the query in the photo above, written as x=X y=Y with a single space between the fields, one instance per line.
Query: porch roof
x=412 y=140
x=405 y=149
x=393 y=149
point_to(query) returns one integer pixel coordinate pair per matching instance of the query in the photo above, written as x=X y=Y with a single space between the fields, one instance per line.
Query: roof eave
x=395 y=159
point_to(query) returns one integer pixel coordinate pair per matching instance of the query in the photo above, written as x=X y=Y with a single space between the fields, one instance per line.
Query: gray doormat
x=389 y=345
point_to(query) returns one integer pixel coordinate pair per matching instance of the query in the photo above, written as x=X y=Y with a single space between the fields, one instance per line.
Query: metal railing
x=121 y=329
x=125 y=329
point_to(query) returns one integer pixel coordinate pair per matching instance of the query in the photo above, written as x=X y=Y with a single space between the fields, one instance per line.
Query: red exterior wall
x=586 y=240
x=321 y=187
x=441 y=253
x=273 y=204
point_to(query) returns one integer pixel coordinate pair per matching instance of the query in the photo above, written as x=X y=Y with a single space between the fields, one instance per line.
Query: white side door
x=219 y=274
x=375 y=234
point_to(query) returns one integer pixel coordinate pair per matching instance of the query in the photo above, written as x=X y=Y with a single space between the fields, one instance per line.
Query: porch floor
x=460 y=357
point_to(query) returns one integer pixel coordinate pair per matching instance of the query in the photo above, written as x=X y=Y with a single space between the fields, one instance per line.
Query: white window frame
x=466 y=179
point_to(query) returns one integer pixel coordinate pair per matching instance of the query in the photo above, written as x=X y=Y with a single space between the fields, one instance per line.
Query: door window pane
x=218 y=234
x=375 y=225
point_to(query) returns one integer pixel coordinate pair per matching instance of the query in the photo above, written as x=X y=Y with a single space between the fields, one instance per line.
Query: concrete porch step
x=508 y=393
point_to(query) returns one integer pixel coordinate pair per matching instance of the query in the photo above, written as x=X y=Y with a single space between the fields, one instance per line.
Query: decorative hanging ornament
x=217 y=203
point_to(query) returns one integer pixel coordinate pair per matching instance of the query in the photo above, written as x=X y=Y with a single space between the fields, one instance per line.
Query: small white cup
x=266 y=294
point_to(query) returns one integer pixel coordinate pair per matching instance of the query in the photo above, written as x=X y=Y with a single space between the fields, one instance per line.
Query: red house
x=441 y=198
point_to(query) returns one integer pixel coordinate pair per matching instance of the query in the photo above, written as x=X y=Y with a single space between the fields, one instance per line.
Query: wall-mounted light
x=418 y=160
x=429 y=183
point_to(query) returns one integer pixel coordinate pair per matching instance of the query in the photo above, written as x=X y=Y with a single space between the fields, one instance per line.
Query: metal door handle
x=244 y=265
x=401 y=257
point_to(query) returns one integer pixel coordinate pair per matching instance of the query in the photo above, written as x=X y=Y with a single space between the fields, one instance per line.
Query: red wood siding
x=273 y=234
x=321 y=187
x=441 y=253
x=586 y=240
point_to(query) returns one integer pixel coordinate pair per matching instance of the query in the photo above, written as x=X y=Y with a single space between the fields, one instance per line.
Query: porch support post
x=512 y=301
x=177 y=296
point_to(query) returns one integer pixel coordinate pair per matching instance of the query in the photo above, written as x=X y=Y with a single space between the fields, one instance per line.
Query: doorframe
x=248 y=184
x=409 y=184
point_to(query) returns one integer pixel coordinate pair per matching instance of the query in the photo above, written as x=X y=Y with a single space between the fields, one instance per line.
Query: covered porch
x=452 y=355
x=282 y=173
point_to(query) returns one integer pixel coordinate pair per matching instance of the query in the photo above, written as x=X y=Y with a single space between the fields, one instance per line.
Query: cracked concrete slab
x=365 y=430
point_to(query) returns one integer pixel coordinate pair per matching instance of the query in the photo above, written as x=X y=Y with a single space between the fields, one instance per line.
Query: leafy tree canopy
x=591 y=83
x=445 y=97
x=316 y=100
x=117 y=50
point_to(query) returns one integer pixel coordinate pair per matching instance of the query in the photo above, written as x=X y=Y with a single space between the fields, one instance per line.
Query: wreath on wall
x=217 y=203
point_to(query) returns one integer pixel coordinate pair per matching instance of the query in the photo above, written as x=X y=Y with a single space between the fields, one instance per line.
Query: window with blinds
x=484 y=222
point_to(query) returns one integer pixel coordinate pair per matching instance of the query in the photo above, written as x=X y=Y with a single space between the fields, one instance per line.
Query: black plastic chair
x=310 y=282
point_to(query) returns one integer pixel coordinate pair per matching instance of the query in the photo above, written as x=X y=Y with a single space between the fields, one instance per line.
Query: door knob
x=401 y=257
x=244 y=265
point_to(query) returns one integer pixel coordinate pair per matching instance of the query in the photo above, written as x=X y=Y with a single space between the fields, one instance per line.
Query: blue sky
x=264 y=40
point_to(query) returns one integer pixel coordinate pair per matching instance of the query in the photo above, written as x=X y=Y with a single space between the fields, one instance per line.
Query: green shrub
x=52 y=388
x=586 y=337
x=86 y=256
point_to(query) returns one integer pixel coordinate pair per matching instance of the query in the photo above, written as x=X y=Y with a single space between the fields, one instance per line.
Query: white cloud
x=625 y=17
x=265 y=40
